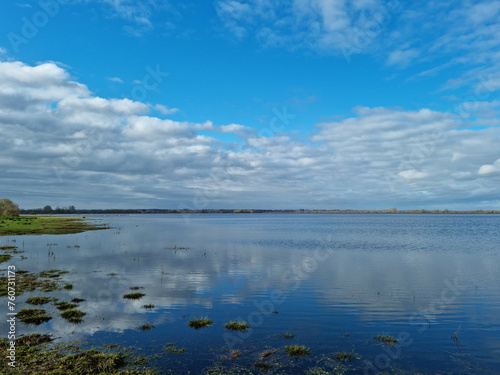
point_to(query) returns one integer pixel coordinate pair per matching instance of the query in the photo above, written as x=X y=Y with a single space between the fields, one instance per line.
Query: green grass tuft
x=200 y=323
x=134 y=296
x=33 y=316
x=297 y=350
x=237 y=326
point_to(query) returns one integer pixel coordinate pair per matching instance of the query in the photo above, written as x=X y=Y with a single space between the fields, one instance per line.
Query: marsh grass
x=297 y=350
x=287 y=335
x=65 y=305
x=73 y=315
x=45 y=225
x=267 y=353
x=136 y=287
x=34 y=339
x=237 y=326
x=28 y=282
x=171 y=348
x=5 y=258
x=134 y=296
x=346 y=356
x=39 y=300
x=68 y=286
x=148 y=307
x=77 y=300
x=147 y=327
x=33 y=316
x=386 y=339
x=262 y=365
x=198 y=323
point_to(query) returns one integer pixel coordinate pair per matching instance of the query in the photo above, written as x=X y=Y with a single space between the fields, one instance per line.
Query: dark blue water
x=335 y=281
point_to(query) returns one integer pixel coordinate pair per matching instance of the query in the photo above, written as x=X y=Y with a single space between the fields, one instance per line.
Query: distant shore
x=253 y=211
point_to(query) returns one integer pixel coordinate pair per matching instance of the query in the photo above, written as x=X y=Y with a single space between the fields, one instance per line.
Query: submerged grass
x=33 y=316
x=198 y=323
x=297 y=350
x=134 y=296
x=46 y=281
x=4 y=258
x=73 y=315
x=346 y=356
x=171 y=348
x=386 y=339
x=34 y=356
x=39 y=300
x=45 y=225
x=237 y=326
x=65 y=305
x=147 y=327
x=287 y=335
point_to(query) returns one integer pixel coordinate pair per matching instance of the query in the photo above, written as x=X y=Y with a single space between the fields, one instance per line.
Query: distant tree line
x=48 y=210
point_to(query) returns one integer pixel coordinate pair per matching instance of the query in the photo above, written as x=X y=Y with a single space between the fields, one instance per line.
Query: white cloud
x=165 y=110
x=115 y=79
x=59 y=140
x=402 y=58
x=3 y=51
x=489 y=168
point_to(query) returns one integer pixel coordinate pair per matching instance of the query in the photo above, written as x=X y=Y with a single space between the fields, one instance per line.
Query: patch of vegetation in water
x=148 y=306
x=77 y=300
x=39 y=300
x=134 y=296
x=5 y=258
x=198 y=323
x=237 y=326
x=346 y=356
x=147 y=327
x=65 y=305
x=73 y=315
x=171 y=348
x=33 y=316
x=297 y=350
x=287 y=335
x=46 y=225
x=386 y=339
x=28 y=282
x=34 y=356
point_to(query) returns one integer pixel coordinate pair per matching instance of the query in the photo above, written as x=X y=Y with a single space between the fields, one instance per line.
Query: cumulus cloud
x=490 y=168
x=63 y=145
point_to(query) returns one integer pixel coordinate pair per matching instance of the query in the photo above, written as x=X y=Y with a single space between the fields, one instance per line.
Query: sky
x=332 y=104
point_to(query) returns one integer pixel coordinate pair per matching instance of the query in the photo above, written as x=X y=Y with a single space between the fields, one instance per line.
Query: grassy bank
x=45 y=225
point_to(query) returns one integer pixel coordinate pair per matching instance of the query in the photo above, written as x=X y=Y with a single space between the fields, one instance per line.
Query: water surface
x=335 y=281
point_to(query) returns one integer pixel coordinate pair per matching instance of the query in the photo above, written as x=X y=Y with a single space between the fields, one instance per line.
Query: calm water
x=335 y=281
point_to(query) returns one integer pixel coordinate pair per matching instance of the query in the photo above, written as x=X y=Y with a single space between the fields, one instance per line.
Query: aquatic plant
x=33 y=316
x=287 y=335
x=171 y=348
x=65 y=305
x=237 y=326
x=198 y=323
x=346 y=356
x=147 y=327
x=297 y=350
x=73 y=315
x=386 y=339
x=38 y=300
x=134 y=296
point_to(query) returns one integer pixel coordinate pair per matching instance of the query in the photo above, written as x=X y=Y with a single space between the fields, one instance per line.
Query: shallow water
x=335 y=281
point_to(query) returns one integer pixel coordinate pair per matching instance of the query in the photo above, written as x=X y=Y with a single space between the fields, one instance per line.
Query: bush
x=8 y=208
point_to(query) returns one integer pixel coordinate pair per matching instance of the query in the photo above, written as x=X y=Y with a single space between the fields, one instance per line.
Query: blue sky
x=257 y=103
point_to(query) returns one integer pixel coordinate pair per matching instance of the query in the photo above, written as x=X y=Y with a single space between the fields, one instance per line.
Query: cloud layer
x=63 y=145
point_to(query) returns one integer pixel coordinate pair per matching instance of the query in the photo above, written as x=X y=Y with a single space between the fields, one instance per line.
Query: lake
x=431 y=281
